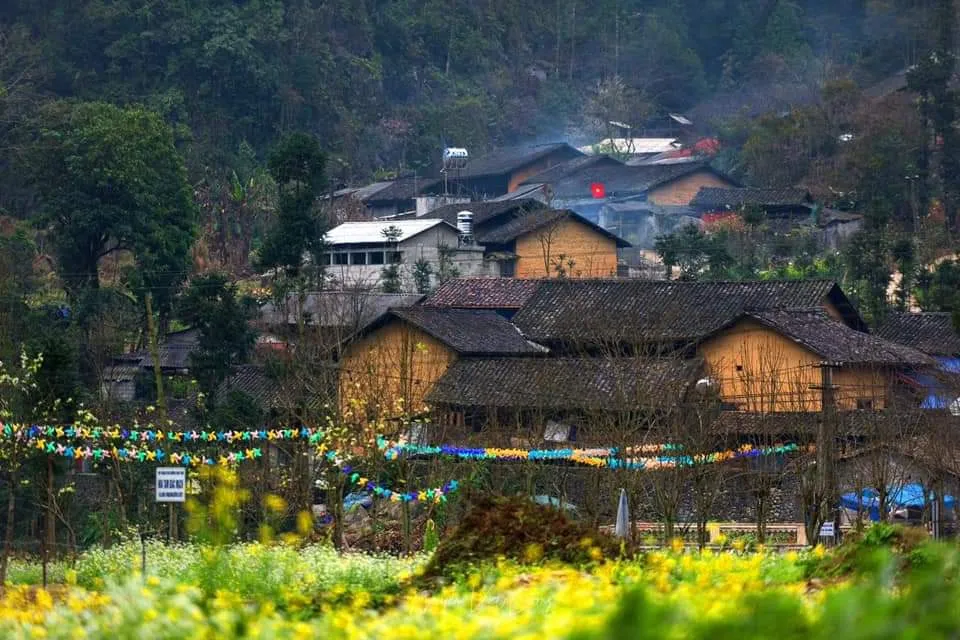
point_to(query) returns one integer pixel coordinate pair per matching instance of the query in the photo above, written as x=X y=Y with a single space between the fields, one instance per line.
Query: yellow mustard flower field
x=866 y=589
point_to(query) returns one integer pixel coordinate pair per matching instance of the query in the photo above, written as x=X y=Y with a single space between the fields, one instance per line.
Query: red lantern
x=598 y=190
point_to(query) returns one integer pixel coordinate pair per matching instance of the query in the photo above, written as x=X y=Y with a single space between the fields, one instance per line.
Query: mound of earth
x=518 y=529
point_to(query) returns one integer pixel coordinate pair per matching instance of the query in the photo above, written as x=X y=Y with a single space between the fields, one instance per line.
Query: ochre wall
x=594 y=255
x=777 y=374
x=397 y=362
x=682 y=191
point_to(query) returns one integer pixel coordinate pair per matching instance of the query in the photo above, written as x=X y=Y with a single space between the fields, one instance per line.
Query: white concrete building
x=360 y=251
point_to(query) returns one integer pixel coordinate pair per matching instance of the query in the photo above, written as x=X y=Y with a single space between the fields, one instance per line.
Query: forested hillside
x=386 y=83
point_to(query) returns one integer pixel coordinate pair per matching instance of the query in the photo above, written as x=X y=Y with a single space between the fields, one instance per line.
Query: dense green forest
x=386 y=83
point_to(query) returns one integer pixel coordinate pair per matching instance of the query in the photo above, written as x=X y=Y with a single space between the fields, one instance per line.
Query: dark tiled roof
x=341 y=309
x=719 y=197
x=891 y=84
x=835 y=342
x=590 y=312
x=564 y=169
x=508 y=159
x=623 y=179
x=175 y=350
x=534 y=221
x=806 y=423
x=469 y=332
x=402 y=189
x=254 y=382
x=485 y=211
x=931 y=333
x=267 y=390
x=833 y=216
x=565 y=383
x=482 y=293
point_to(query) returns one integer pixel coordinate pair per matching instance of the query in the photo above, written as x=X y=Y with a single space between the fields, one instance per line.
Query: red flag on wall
x=598 y=190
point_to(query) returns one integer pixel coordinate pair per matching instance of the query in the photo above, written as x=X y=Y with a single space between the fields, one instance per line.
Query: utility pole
x=155 y=356
x=826 y=448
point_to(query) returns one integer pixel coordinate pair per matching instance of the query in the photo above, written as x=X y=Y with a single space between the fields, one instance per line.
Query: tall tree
x=111 y=180
x=297 y=165
x=212 y=304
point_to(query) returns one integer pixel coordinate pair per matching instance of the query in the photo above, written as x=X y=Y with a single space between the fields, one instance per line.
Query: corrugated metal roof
x=372 y=232
x=633 y=145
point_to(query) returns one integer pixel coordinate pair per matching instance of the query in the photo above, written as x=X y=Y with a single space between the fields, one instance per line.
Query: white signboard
x=826 y=530
x=171 y=484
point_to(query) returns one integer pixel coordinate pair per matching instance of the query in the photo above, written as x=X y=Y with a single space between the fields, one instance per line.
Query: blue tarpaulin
x=908 y=495
x=938 y=395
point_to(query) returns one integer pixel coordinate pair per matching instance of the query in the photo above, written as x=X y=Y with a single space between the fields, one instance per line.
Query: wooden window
x=375 y=257
x=340 y=258
x=508 y=269
x=864 y=404
x=358 y=257
x=395 y=257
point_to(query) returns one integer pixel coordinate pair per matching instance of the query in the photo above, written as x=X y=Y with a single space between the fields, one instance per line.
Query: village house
x=381 y=199
x=636 y=203
x=129 y=377
x=327 y=318
x=748 y=333
x=359 y=253
x=782 y=211
x=759 y=347
x=396 y=361
x=525 y=239
x=513 y=238
x=503 y=170
x=934 y=334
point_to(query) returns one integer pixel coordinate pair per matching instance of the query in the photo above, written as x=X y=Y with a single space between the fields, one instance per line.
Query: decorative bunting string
x=394 y=451
x=118 y=434
x=602 y=457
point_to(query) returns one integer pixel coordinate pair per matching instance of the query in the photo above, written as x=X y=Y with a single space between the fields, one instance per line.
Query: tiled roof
x=835 y=342
x=470 y=332
x=508 y=159
x=482 y=293
x=341 y=309
x=805 y=423
x=623 y=179
x=719 y=197
x=402 y=189
x=931 y=333
x=175 y=350
x=535 y=220
x=362 y=193
x=590 y=312
x=566 y=383
x=571 y=166
x=269 y=391
x=833 y=216
x=254 y=382
x=484 y=211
